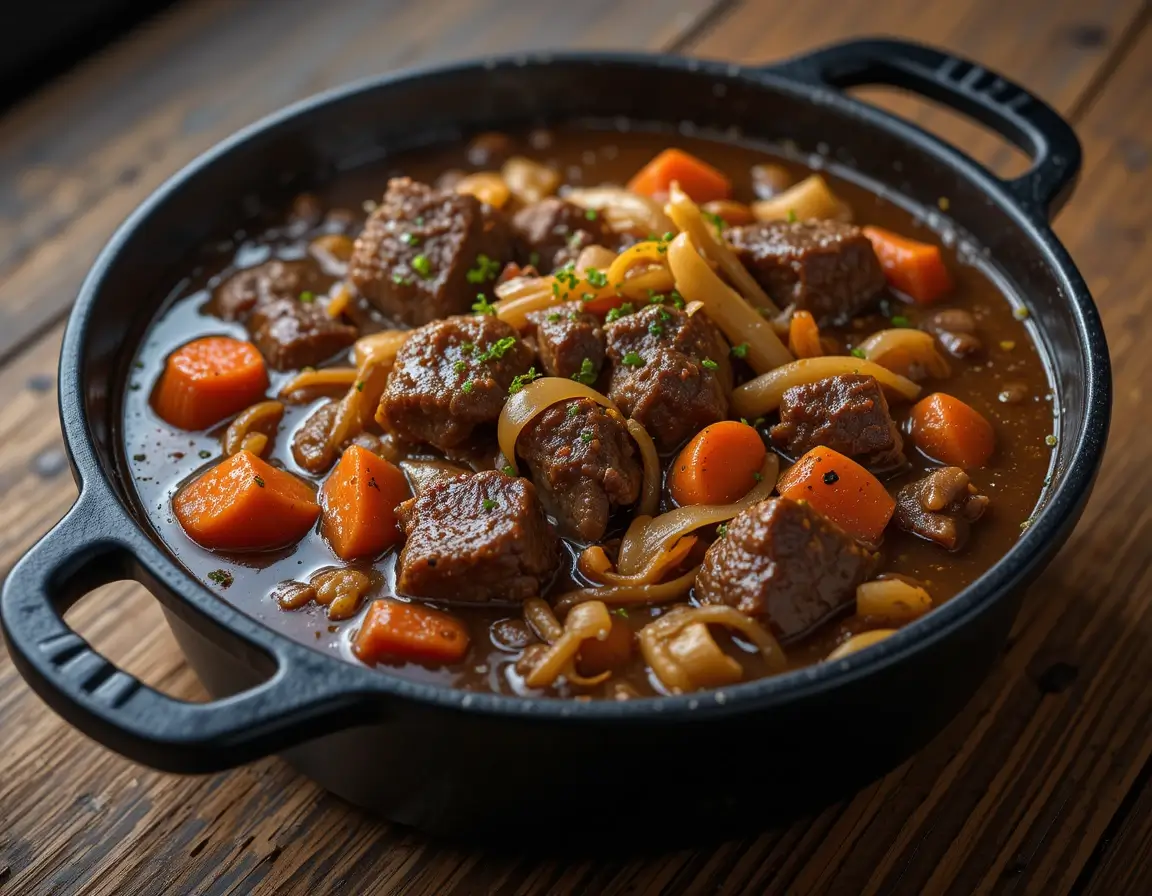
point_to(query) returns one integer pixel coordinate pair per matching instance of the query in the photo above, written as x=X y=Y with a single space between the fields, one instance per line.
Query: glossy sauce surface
x=162 y=458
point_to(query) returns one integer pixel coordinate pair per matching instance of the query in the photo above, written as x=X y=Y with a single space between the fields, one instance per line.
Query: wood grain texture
x=1017 y=795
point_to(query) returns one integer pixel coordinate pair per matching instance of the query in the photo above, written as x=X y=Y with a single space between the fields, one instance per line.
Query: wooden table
x=1041 y=785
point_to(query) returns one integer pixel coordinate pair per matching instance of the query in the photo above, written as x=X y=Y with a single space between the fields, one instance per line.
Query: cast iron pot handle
x=86 y=550
x=1017 y=115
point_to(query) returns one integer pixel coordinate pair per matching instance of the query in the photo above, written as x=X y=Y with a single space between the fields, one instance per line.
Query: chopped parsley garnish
x=419 y=222
x=497 y=349
x=677 y=299
x=587 y=296
x=467 y=347
x=422 y=266
x=757 y=476
x=655 y=329
x=595 y=277
x=554 y=317
x=857 y=353
x=709 y=364
x=139 y=457
x=901 y=321
x=621 y=612
x=220 y=577
x=483 y=270
x=759 y=421
x=617 y=313
x=467 y=387
x=791 y=216
x=716 y=220
x=409 y=239
x=488 y=504
x=740 y=351
x=400 y=279
x=573 y=410
x=519 y=382
x=534 y=259
x=360 y=386
x=722 y=530
x=509 y=470
x=632 y=359
x=586 y=435
x=587 y=372
x=460 y=366
x=307 y=297
x=259 y=481
x=483 y=306
x=205 y=453
x=591 y=214
x=664 y=315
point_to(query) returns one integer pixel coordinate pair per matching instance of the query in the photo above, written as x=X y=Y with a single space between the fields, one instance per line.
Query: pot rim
x=1051 y=524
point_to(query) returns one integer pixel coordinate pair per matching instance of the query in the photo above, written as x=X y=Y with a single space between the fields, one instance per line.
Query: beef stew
x=538 y=416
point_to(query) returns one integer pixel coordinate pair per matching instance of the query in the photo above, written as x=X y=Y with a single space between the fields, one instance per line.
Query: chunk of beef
x=847 y=413
x=566 y=335
x=955 y=329
x=550 y=233
x=292 y=334
x=665 y=372
x=584 y=464
x=481 y=537
x=235 y=298
x=824 y=267
x=450 y=377
x=940 y=507
x=782 y=561
x=424 y=254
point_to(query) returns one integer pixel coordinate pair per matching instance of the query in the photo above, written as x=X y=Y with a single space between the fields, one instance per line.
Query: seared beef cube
x=665 y=368
x=940 y=507
x=451 y=376
x=550 y=233
x=292 y=334
x=955 y=329
x=824 y=267
x=566 y=336
x=584 y=463
x=276 y=279
x=424 y=254
x=479 y=537
x=847 y=413
x=785 y=563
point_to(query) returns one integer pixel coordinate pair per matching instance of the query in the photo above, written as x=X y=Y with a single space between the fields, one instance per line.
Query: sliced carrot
x=718 y=466
x=804 y=336
x=915 y=268
x=698 y=179
x=359 y=498
x=597 y=657
x=208 y=380
x=400 y=632
x=842 y=490
x=246 y=504
x=952 y=432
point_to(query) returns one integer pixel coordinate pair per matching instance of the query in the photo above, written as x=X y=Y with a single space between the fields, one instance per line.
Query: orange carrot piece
x=804 y=336
x=699 y=180
x=842 y=490
x=915 y=268
x=359 y=498
x=597 y=657
x=208 y=380
x=952 y=432
x=246 y=504
x=719 y=465
x=411 y=633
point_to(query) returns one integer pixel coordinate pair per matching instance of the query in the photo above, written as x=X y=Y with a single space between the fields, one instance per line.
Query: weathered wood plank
x=1033 y=768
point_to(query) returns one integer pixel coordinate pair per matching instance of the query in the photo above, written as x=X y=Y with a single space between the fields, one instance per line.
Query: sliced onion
x=858 y=642
x=650 y=492
x=593 y=562
x=589 y=620
x=628 y=557
x=307 y=383
x=540 y=618
x=662 y=532
x=688 y=219
x=380 y=347
x=738 y=320
x=763 y=395
x=628 y=595
x=811 y=198
x=535 y=398
x=358 y=406
x=260 y=419
x=907 y=352
x=892 y=600
x=623 y=210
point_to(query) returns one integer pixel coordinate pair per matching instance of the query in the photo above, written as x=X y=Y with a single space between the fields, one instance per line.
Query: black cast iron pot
x=449 y=761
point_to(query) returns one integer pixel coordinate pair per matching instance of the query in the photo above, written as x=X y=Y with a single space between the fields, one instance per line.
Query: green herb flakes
x=791 y=216
x=519 y=382
x=586 y=436
x=709 y=364
x=259 y=481
x=307 y=297
x=587 y=372
x=409 y=239
x=901 y=321
x=616 y=313
x=632 y=359
x=718 y=222
x=591 y=214
x=460 y=366
x=740 y=351
x=483 y=306
x=573 y=410
x=422 y=265
x=488 y=504
x=857 y=353
x=509 y=470
x=221 y=577
x=468 y=387
x=554 y=317
x=484 y=270
x=497 y=349
x=722 y=530
x=655 y=330
x=595 y=277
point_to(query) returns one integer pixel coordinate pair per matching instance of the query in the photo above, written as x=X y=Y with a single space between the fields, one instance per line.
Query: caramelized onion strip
x=358 y=406
x=907 y=352
x=595 y=565
x=380 y=347
x=811 y=198
x=589 y=620
x=763 y=395
x=892 y=600
x=628 y=557
x=535 y=398
x=688 y=219
x=623 y=211
x=738 y=320
x=307 y=384
x=627 y=595
x=259 y=420
x=858 y=642
x=659 y=534
x=650 y=491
